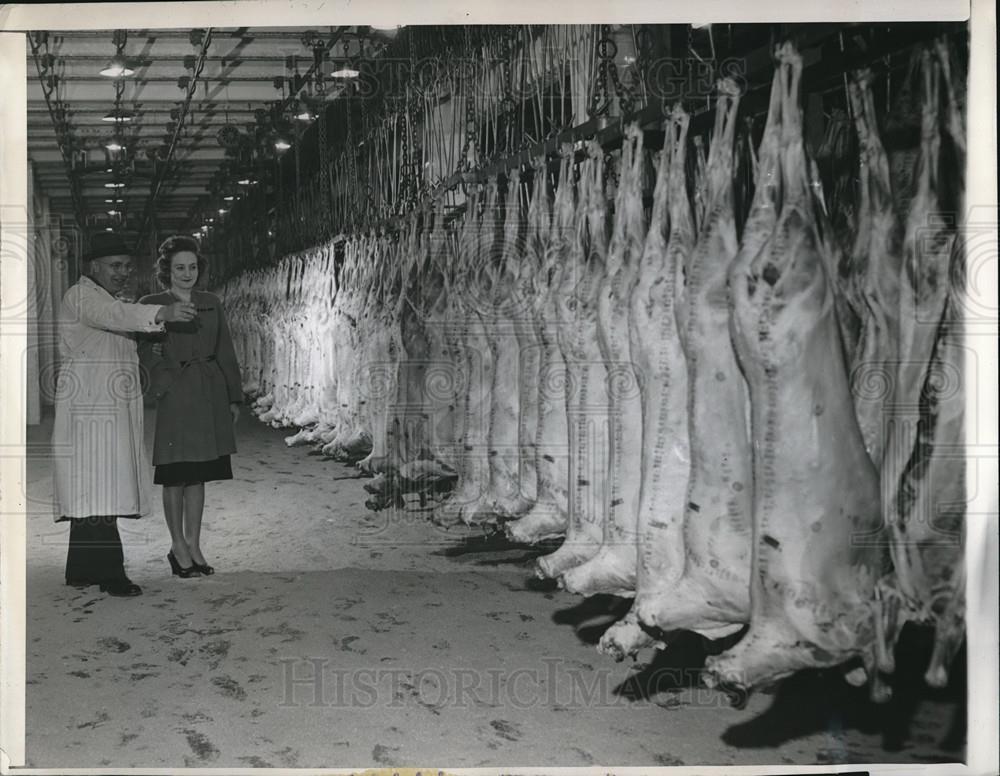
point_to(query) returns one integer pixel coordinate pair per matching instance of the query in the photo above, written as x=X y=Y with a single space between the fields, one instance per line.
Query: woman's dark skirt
x=193 y=472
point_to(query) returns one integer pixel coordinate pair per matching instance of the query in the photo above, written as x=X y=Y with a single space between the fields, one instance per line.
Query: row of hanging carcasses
x=738 y=425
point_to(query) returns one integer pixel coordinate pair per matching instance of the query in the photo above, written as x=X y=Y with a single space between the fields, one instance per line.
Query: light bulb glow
x=117 y=68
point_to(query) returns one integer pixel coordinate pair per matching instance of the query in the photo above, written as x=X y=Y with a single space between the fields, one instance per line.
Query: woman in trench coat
x=195 y=377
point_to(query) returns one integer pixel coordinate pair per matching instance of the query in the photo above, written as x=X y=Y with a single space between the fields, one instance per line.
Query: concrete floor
x=333 y=636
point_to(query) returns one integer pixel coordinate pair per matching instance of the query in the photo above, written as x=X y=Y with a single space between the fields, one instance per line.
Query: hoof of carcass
x=879 y=690
x=936 y=677
x=445 y=518
x=736 y=693
x=856 y=677
x=732 y=686
x=377 y=486
x=301 y=438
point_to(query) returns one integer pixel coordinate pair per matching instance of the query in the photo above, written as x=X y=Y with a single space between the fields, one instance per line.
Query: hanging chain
x=351 y=151
x=368 y=139
x=509 y=104
x=468 y=76
x=624 y=91
x=324 y=175
x=404 y=157
x=643 y=58
x=606 y=52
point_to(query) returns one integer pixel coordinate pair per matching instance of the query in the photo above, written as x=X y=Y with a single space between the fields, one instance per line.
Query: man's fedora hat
x=106 y=244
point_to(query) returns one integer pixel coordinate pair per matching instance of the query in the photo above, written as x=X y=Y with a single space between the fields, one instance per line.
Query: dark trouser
x=95 y=550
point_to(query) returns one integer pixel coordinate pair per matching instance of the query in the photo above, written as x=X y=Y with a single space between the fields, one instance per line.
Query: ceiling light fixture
x=114 y=145
x=304 y=115
x=281 y=144
x=114 y=213
x=345 y=72
x=114 y=185
x=229 y=198
x=122 y=115
x=117 y=68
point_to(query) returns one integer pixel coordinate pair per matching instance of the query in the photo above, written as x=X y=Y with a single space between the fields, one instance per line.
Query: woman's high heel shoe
x=204 y=568
x=179 y=570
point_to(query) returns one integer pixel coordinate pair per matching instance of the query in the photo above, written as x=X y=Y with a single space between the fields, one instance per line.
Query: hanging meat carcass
x=613 y=568
x=443 y=377
x=504 y=497
x=709 y=589
x=550 y=233
x=815 y=488
x=924 y=464
x=875 y=273
x=523 y=262
x=587 y=386
x=656 y=349
x=353 y=440
x=383 y=372
x=475 y=243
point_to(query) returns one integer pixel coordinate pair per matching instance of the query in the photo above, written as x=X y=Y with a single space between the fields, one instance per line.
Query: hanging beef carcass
x=504 y=497
x=613 y=568
x=421 y=292
x=550 y=231
x=353 y=440
x=475 y=242
x=875 y=272
x=586 y=374
x=382 y=375
x=709 y=589
x=924 y=464
x=387 y=449
x=523 y=262
x=306 y=414
x=444 y=376
x=656 y=348
x=815 y=488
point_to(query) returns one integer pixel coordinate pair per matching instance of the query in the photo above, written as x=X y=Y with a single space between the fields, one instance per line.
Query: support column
x=47 y=264
x=32 y=398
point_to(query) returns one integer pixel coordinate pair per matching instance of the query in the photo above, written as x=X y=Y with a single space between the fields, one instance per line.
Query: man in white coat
x=101 y=469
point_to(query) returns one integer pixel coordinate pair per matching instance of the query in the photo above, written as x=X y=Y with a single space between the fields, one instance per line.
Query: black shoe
x=122 y=588
x=204 y=568
x=179 y=570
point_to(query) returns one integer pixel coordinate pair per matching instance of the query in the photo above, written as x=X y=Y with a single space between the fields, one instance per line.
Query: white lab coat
x=97 y=440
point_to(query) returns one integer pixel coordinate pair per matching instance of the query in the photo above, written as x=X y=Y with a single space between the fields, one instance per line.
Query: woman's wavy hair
x=170 y=248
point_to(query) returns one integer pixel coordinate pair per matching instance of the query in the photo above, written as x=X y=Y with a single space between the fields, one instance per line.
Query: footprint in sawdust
x=345 y=645
x=229 y=687
x=382 y=755
x=255 y=762
x=200 y=744
x=100 y=719
x=114 y=645
x=507 y=730
x=289 y=757
x=284 y=629
x=215 y=651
